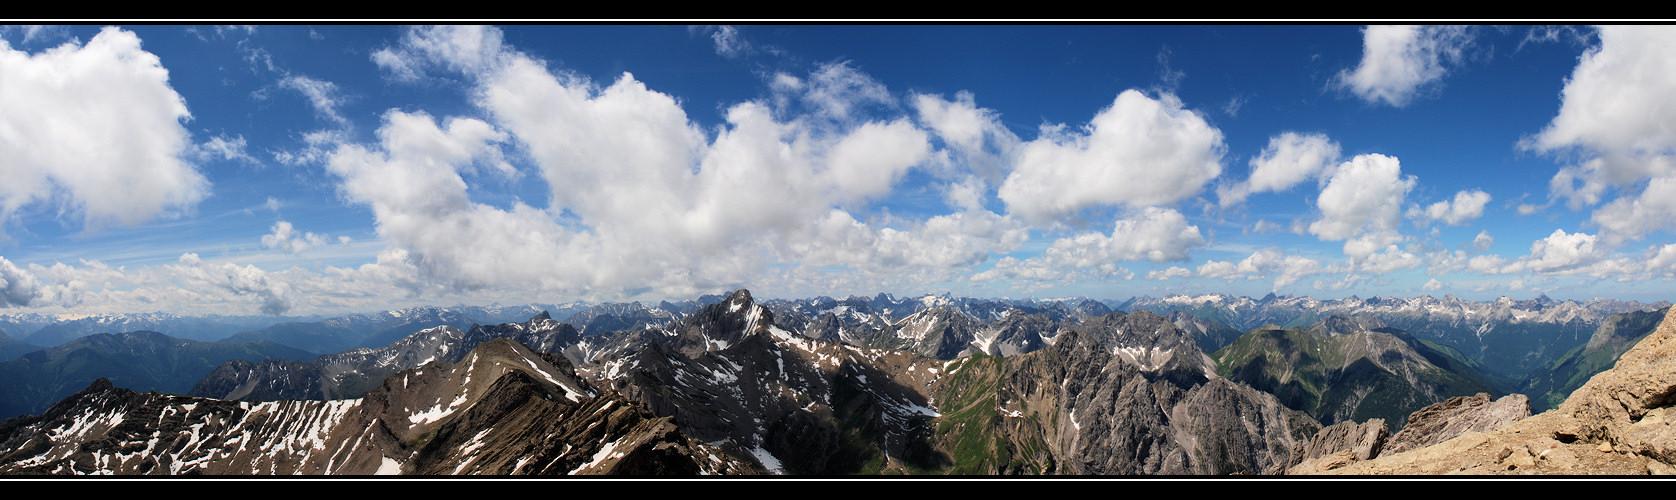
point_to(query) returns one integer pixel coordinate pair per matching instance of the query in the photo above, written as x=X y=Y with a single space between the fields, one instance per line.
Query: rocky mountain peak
x=741 y=296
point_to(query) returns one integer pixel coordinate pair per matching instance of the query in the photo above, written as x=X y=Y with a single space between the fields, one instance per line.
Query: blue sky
x=321 y=169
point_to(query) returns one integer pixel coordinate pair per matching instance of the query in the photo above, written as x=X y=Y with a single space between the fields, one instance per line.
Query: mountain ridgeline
x=727 y=384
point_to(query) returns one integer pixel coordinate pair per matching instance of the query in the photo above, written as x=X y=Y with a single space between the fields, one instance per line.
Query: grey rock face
x=1456 y=416
x=1339 y=444
x=1121 y=394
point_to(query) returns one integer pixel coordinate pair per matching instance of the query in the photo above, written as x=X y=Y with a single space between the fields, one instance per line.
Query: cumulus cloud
x=1364 y=195
x=670 y=208
x=1289 y=159
x=1399 y=62
x=1559 y=251
x=1389 y=259
x=1156 y=234
x=1138 y=152
x=1467 y=206
x=1171 y=272
x=466 y=49
x=17 y=287
x=240 y=280
x=1286 y=269
x=1632 y=217
x=289 y=240
x=1614 y=119
x=97 y=128
x=975 y=135
x=1483 y=240
x=948 y=241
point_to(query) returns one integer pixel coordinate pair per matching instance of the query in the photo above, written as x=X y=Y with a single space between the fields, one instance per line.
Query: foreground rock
x=1460 y=415
x=1620 y=422
x=1340 y=444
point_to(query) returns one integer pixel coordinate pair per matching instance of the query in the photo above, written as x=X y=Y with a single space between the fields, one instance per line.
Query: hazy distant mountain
x=141 y=360
x=1509 y=338
x=350 y=374
x=186 y=327
x=12 y=348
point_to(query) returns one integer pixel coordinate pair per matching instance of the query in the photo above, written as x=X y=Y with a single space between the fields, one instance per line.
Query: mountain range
x=932 y=385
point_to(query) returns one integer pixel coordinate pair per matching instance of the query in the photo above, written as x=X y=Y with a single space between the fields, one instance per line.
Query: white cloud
x=1432 y=285
x=1139 y=152
x=222 y=147
x=1483 y=240
x=1171 y=272
x=974 y=134
x=1286 y=269
x=1614 y=117
x=1026 y=270
x=321 y=94
x=1487 y=264
x=947 y=241
x=1156 y=234
x=98 y=128
x=728 y=42
x=1560 y=251
x=835 y=90
x=1289 y=159
x=670 y=208
x=1389 y=259
x=1632 y=217
x=17 y=287
x=1363 y=195
x=1398 y=61
x=1467 y=206
x=289 y=240
x=464 y=49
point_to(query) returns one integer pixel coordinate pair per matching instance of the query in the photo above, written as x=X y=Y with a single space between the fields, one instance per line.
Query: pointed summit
x=739 y=298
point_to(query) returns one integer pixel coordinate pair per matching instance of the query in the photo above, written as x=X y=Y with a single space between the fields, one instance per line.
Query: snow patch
x=768 y=461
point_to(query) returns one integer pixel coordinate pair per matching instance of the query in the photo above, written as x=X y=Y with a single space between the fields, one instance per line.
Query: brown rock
x=1459 y=415
x=1339 y=444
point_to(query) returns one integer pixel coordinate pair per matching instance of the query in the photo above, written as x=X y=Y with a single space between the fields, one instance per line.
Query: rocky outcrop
x=1458 y=415
x=1340 y=444
x=1621 y=422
